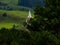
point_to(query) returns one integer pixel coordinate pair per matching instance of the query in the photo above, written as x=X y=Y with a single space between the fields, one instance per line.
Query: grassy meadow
x=13 y=18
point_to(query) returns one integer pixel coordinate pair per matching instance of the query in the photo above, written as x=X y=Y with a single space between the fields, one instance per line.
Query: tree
x=4 y=15
x=46 y=18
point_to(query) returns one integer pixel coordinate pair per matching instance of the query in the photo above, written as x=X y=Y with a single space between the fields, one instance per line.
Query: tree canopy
x=46 y=18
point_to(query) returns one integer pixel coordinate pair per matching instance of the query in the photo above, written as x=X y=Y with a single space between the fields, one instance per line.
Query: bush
x=45 y=38
x=46 y=18
x=4 y=14
x=20 y=37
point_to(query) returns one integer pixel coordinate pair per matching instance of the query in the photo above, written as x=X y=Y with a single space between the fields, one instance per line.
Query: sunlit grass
x=8 y=22
x=22 y=14
x=6 y=25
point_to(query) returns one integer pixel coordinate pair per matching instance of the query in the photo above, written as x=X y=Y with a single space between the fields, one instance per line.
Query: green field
x=13 y=18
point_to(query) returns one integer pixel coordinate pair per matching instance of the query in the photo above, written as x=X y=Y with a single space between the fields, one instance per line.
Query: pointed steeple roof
x=29 y=14
x=28 y=17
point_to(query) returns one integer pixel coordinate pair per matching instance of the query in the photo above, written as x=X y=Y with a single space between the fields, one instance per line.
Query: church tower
x=28 y=17
x=29 y=14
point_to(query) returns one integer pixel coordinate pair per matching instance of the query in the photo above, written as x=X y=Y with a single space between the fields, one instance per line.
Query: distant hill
x=10 y=2
x=26 y=3
x=19 y=4
x=2 y=4
x=8 y=6
x=30 y=3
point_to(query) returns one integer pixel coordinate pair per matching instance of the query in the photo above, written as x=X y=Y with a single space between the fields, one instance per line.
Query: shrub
x=20 y=37
x=4 y=14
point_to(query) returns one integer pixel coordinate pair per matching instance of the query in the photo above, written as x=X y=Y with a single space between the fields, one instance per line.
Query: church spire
x=29 y=15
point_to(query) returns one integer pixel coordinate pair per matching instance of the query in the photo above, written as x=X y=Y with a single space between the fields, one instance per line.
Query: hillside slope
x=10 y=2
x=13 y=18
x=12 y=5
x=30 y=3
x=25 y=3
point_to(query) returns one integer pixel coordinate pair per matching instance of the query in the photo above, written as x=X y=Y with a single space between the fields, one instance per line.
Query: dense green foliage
x=19 y=37
x=46 y=21
x=46 y=18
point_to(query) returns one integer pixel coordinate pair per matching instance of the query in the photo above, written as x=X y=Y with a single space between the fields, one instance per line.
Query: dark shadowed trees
x=46 y=18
